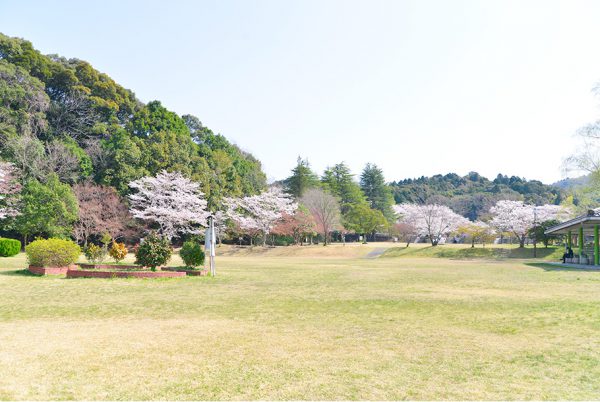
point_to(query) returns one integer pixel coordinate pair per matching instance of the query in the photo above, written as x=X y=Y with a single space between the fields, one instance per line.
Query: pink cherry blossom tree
x=431 y=220
x=170 y=200
x=9 y=190
x=518 y=218
x=260 y=212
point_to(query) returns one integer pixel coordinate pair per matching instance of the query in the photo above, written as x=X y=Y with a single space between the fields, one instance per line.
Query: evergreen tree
x=377 y=191
x=302 y=179
x=340 y=182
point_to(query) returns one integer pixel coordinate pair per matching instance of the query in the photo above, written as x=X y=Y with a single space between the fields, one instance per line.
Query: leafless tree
x=325 y=210
x=101 y=210
x=61 y=160
x=27 y=154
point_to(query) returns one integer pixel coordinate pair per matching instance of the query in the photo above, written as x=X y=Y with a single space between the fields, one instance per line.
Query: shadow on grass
x=18 y=272
x=550 y=267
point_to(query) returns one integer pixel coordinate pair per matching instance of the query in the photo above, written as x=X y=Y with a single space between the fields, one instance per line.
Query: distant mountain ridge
x=572 y=182
x=472 y=195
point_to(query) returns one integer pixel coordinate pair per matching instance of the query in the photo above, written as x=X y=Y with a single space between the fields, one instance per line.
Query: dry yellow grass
x=294 y=324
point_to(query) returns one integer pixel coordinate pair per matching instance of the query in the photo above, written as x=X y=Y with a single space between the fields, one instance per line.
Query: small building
x=581 y=233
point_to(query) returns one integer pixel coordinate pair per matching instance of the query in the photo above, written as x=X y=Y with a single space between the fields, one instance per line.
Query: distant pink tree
x=171 y=201
x=260 y=212
x=518 y=218
x=431 y=220
x=9 y=189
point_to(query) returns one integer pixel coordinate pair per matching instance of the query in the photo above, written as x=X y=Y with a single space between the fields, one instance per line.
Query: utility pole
x=534 y=232
x=209 y=245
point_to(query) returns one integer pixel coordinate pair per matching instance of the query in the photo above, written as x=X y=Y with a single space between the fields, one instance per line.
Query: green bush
x=9 y=247
x=94 y=253
x=191 y=253
x=153 y=252
x=52 y=253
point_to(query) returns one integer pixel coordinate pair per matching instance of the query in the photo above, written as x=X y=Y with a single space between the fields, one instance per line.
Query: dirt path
x=376 y=252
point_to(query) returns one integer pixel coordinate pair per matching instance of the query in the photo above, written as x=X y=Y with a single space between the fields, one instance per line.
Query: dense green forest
x=62 y=117
x=472 y=195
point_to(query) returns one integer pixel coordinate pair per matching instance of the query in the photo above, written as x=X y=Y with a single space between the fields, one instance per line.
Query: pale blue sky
x=418 y=87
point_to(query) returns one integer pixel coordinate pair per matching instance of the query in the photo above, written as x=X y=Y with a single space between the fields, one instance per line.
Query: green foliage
x=379 y=195
x=472 y=195
x=302 y=179
x=537 y=234
x=9 y=247
x=362 y=219
x=94 y=253
x=52 y=253
x=192 y=254
x=46 y=208
x=153 y=252
x=118 y=251
x=107 y=133
x=340 y=182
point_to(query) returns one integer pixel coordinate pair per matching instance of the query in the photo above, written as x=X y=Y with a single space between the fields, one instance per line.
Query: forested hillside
x=62 y=117
x=473 y=195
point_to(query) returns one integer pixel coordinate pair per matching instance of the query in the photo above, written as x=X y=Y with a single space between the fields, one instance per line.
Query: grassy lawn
x=307 y=323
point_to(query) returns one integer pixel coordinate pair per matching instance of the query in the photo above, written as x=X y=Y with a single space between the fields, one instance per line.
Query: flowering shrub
x=153 y=252
x=94 y=253
x=9 y=247
x=192 y=254
x=52 y=253
x=118 y=251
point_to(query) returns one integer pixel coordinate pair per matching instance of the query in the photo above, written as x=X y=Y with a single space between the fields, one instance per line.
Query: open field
x=307 y=323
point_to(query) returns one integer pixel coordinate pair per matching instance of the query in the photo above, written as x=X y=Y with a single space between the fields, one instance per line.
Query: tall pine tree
x=377 y=191
x=302 y=179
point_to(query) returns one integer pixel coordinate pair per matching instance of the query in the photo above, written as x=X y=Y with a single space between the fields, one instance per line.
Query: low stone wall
x=189 y=272
x=50 y=270
x=110 y=266
x=80 y=273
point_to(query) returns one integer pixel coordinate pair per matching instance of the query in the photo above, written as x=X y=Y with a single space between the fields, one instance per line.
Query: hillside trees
x=48 y=209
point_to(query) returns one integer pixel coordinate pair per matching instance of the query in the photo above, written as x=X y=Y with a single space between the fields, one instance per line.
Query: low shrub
x=94 y=253
x=153 y=252
x=118 y=251
x=52 y=253
x=9 y=247
x=192 y=254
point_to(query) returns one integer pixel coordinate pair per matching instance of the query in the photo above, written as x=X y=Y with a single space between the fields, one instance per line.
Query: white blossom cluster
x=431 y=220
x=170 y=200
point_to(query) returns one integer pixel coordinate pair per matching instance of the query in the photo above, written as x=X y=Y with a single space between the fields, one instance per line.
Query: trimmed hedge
x=153 y=252
x=9 y=247
x=192 y=254
x=52 y=253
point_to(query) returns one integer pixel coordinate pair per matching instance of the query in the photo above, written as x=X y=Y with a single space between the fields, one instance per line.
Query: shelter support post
x=570 y=239
x=596 y=246
x=580 y=242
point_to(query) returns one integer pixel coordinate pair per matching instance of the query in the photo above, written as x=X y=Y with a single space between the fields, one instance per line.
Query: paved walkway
x=376 y=252
x=578 y=266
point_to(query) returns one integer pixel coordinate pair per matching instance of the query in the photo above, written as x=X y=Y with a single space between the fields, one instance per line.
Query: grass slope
x=292 y=327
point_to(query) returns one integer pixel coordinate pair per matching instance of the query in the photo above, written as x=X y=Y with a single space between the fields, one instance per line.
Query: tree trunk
x=522 y=242
x=472 y=243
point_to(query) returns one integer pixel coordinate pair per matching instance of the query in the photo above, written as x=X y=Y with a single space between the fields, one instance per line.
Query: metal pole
x=534 y=232
x=212 y=247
